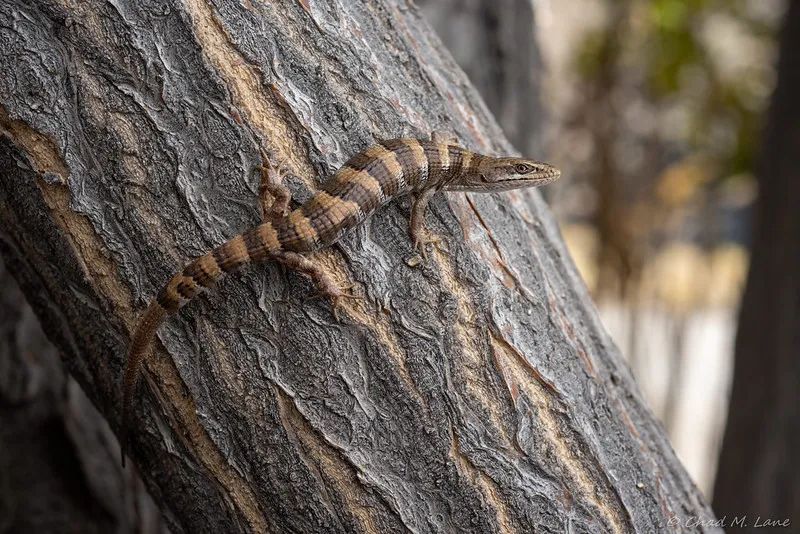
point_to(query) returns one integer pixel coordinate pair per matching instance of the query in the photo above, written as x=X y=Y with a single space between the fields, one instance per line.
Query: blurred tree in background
x=758 y=467
x=665 y=114
x=59 y=470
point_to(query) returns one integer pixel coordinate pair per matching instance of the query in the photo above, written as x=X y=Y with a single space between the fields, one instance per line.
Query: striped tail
x=255 y=245
x=140 y=344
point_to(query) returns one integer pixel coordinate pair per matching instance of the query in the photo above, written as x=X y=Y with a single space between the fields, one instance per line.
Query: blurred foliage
x=712 y=57
x=658 y=107
x=669 y=99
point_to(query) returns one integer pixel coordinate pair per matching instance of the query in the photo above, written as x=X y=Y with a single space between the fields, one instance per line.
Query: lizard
x=368 y=180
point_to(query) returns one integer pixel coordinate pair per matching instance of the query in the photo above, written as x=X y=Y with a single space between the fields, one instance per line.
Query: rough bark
x=474 y=392
x=759 y=470
x=58 y=466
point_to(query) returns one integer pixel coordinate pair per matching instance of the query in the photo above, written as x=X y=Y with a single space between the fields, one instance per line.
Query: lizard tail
x=140 y=345
x=202 y=273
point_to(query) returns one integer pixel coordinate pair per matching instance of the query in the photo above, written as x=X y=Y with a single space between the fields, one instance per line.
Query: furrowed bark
x=474 y=392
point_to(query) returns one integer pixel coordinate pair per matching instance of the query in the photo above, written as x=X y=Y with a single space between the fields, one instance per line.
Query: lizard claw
x=272 y=192
x=337 y=296
x=421 y=244
x=273 y=173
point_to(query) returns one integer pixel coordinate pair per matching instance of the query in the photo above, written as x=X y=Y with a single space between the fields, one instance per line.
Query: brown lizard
x=368 y=180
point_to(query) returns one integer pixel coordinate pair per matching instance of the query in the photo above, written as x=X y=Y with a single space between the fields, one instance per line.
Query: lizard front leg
x=273 y=196
x=419 y=234
x=325 y=284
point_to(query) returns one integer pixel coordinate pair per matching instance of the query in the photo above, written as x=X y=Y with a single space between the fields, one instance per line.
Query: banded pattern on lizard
x=368 y=180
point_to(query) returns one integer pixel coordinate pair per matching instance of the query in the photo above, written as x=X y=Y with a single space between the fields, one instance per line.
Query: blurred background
x=656 y=112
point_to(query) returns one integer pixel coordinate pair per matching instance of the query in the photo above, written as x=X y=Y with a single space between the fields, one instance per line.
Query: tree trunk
x=759 y=471
x=474 y=392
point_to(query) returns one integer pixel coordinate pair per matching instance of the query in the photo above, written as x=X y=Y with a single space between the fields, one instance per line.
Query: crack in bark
x=184 y=416
x=334 y=466
x=42 y=151
x=499 y=261
x=486 y=484
x=540 y=392
x=467 y=332
x=248 y=92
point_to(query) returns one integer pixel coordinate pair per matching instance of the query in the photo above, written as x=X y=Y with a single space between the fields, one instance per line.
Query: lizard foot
x=274 y=196
x=421 y=244
x=337 y=296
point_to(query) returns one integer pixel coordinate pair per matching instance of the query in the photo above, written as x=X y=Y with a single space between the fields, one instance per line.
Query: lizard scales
x=368 y=180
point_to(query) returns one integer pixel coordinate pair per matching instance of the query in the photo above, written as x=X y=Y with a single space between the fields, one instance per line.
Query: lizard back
x=368 y=180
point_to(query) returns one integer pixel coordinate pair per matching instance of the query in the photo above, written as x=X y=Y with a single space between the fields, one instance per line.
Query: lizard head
x=503 y=174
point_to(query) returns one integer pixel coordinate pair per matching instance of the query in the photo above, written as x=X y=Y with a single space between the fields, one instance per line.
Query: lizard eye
x=523 y=168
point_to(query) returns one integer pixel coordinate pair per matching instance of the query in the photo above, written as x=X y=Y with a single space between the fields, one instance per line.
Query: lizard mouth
x=502 y=185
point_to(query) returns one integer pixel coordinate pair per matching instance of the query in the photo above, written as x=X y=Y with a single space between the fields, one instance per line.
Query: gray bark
x=759 y=470
x=476 y=392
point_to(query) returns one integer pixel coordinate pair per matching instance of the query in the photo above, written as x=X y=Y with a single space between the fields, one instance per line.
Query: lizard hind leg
x=325 y=284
